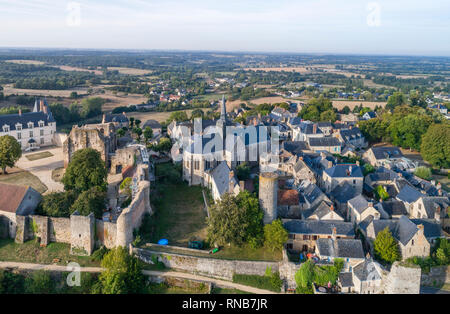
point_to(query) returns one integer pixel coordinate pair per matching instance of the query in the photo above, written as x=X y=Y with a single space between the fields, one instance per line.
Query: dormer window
x=6 y=128
x=19 y=127
x=30 y=125
x=41 y=124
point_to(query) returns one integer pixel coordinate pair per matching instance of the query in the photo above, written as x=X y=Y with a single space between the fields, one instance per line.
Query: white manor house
x=31 y=129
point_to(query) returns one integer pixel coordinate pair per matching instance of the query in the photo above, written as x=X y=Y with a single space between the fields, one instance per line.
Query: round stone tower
x=268 y=195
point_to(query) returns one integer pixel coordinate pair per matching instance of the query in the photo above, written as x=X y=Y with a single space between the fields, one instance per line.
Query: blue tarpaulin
x=163 y=242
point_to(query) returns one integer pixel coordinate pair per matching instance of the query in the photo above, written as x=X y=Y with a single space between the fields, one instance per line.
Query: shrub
x=423 y=172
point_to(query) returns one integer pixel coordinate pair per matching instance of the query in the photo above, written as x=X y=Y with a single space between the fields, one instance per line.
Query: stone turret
x=268 y=195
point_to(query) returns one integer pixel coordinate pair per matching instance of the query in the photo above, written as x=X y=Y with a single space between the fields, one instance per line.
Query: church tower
x=222 y=123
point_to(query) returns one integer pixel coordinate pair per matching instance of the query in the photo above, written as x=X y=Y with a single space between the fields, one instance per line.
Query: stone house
x=15 y=200
x=358 y=209
x=382 y=156
x=432 y=207
x=350 y=250
x=31 y=129
x=296 y=167
x=221 y=180
x=325 y=211
x=305 y=131
x=288 y=203
x=325 y=144
x=351 y=137
x=350 y=173
x=119 y=120
x=154 y=125
x=409 y=236
x=367 y=277
x=303 y=234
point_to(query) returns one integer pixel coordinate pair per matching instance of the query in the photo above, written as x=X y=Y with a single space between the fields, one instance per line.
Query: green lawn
x=179 y=213
x=37 y=156
x=227 y=291
x=31 y=252
x=25 y=178
x=164 y=288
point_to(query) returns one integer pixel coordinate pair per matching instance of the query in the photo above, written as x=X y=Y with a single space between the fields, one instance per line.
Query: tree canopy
x=85 y=170
x=385 y=247
x=10 y=152
x=435 y=147
x=275 y=235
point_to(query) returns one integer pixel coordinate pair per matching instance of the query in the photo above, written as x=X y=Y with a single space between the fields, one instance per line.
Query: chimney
x=332 y=207
x=381 y=200
x=45 y=109
x=300 y=158
x=230 y=182
x=104 y=118
x=20 y=111
x=437 y=214
x=315 y=128
x=124 y=113
x=370 y=204
x=41 y=105
x=330 y=164
x=322 y=155
x=333 y=235
x=350 y=127
x=421 y=229
x=400 y=174
x=377 y=216
x=440 y=192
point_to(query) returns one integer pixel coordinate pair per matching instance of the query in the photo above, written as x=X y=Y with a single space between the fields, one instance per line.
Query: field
x=158 y=116
x=19 y=177
x=340 y=104
x=37 y=156
x=130 y=71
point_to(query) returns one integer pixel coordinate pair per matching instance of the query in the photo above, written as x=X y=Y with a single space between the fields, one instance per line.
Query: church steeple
x=35 y=109
x=223 y=110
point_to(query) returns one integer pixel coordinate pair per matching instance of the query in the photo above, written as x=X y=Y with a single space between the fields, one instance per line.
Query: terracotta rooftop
x=11 y=196
x=288 y=197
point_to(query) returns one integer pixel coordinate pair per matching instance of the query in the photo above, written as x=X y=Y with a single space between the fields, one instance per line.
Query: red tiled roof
x=11 y=196
x=288 y=197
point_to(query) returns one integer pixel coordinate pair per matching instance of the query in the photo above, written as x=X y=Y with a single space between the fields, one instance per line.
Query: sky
x=395 y=27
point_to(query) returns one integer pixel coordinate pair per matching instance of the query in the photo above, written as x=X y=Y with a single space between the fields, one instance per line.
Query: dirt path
x=175 y=274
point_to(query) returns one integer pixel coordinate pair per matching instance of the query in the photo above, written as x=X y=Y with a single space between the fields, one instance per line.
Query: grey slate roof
x=386 y=152
x=295 y=147
x=394 y=208
x=409 y=194
x=431 y=204
x=351 y=134
x=346 y=279
x=152 y=124
x=345 y=170
x=119 y=118
x=359 y=203
x=220 y=175
x=344 y=192
x=402 y=229
x=324 y=141
x=311 y=193
x=322 y=227
x=431 y=228
x=340 y=248
x=367 y=271
x=24 y=119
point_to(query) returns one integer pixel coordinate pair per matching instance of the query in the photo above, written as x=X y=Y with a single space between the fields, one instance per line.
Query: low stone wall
x=437 y=276
x=217 y=268
x=402 y=280
x=105 y=233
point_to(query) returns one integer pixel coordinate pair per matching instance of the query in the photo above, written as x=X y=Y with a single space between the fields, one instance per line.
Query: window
x=42 y=132
x=19 y=135
x=6 y=128
x=42 y=140
x=19 y=127
x=412 y=242
x=31 y=134
x=41 y=124
x=30 y=125
x=196 y=164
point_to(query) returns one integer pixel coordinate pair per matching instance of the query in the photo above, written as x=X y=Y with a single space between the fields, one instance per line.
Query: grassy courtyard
x=21 y=177
x=179 y=209
x=32 y=252
x=36 y=156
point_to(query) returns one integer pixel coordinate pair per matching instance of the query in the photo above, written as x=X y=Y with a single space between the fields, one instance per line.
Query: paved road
x=175 y=274
x=42 y=168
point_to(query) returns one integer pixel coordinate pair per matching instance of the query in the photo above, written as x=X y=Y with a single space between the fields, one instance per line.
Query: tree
x=10 y=152
x=138 y=132
x=423 y=172
x=122 y=274
x=148 y=134
x=85 y=170
x=74 y=95
x=346 y=110
x=243 y=171
x=275 y=235
x=57 y=204
x=126 y=186
x=385 y=247
x=435 y=146
x=197 y=113
x=328 y=116
x=237 y=220
x=396 y=99
x=121 y=132
x=90 y=201
x=305 y=275
x=39 y=282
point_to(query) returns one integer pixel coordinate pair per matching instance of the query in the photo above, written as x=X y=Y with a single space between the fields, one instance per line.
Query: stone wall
x=402 y=280
x=212 y=267
x=82 y=234
x=131 y=218
x=59 y=230
x=437 y=276
x=105 y=233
